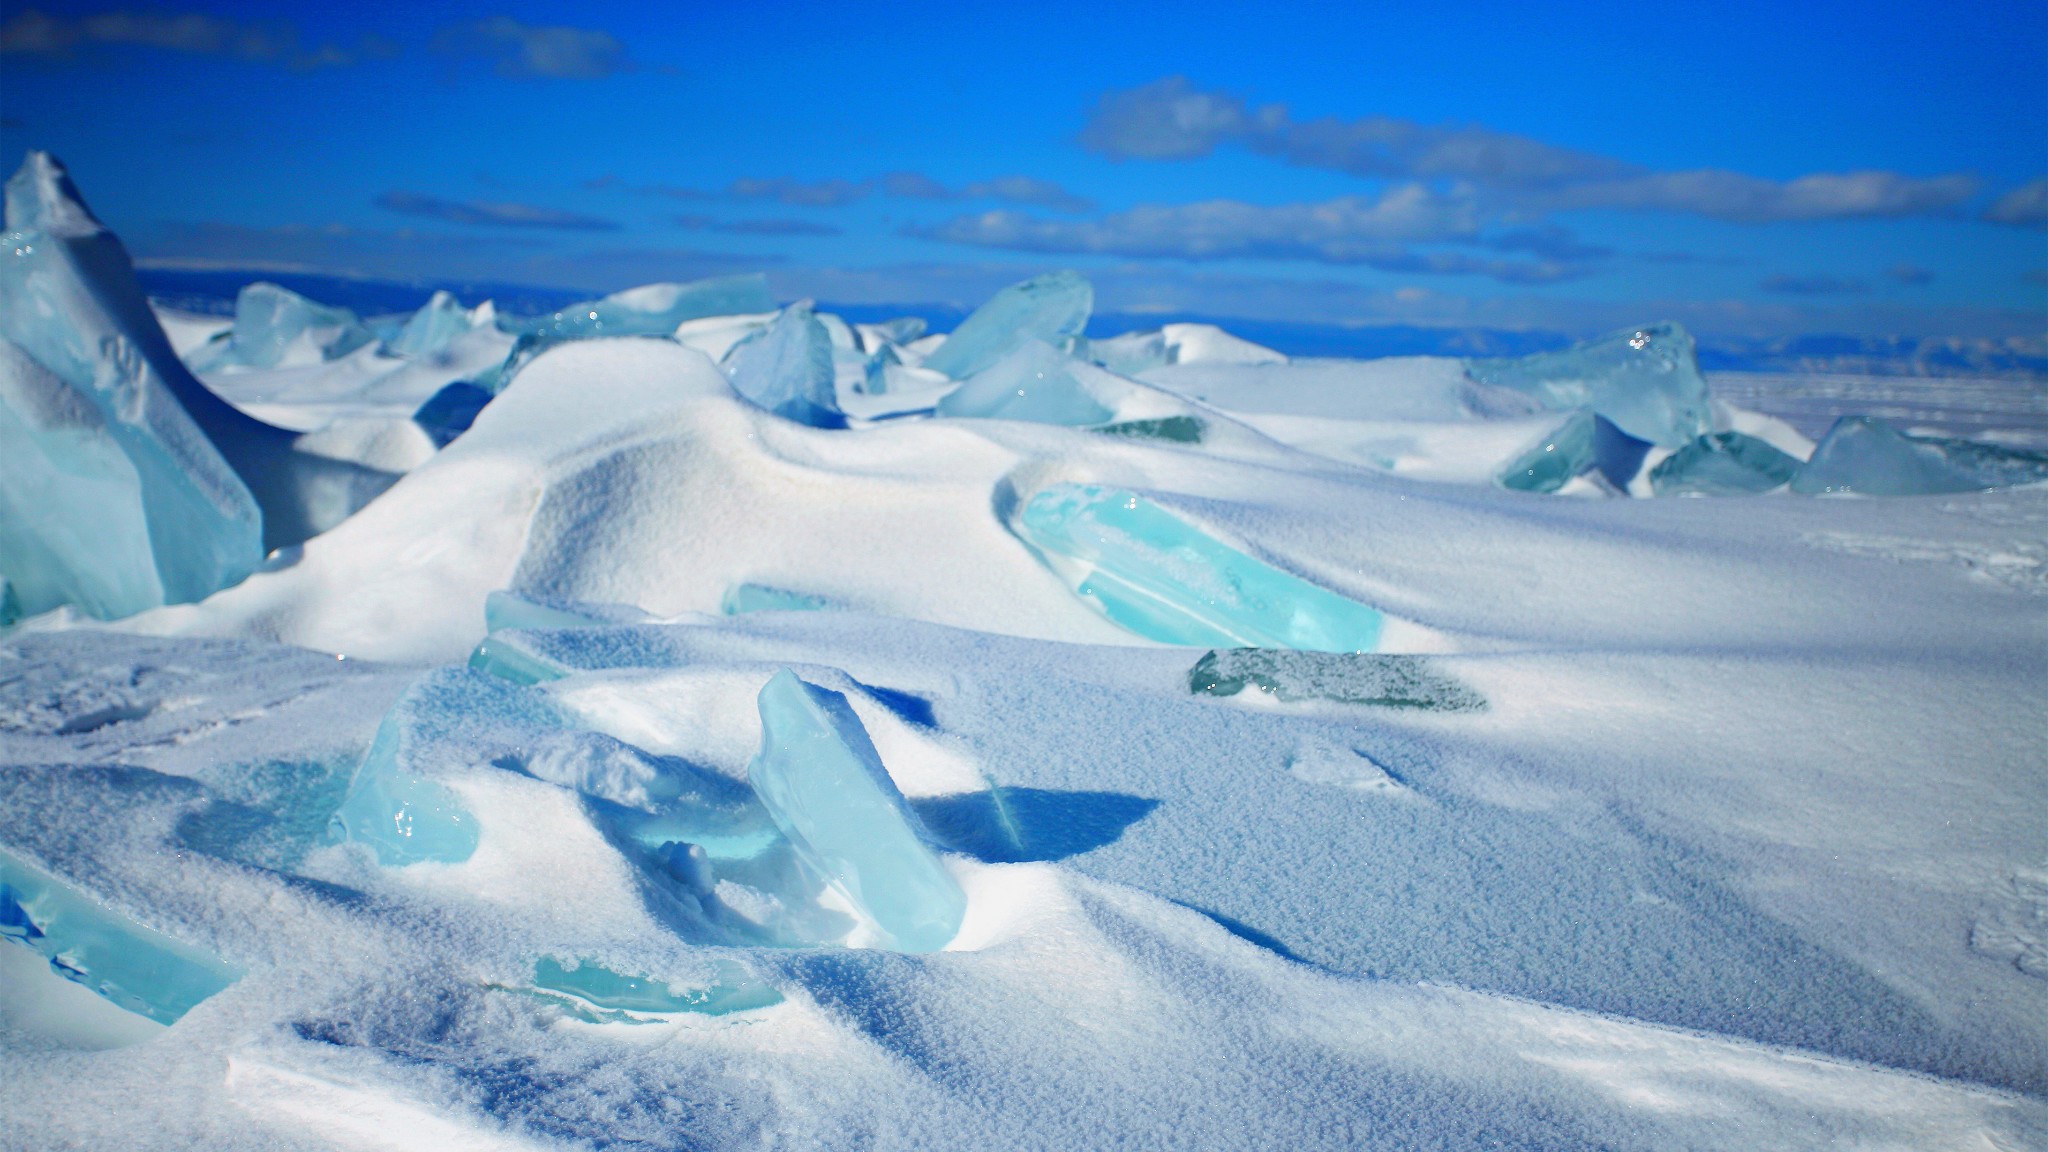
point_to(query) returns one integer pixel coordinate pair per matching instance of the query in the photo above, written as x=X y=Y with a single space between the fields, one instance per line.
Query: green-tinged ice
x=1158 y=576
x=1053 y=308
x=135 y=967
x=1866 y=456
x=1378 y=679
x=823 y=783
x=601 y=996
x=1584 y=444
x=1722 y=464
x=1646 y=380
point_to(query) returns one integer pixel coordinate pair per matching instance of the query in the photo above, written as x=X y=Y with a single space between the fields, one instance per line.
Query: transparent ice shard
x=1722 y=464
x=276 y=327
x=651 y=309
x=744 y=598
x=511 y=658
x=1033 y=383
x=1583 y=444
x=599 y=995
x=1158 y=576
x=1053 y=308
x=823 y=783
x=136 y=968
x=1379 y=679
x=787 y=369
x=1865 y=455
x=400 y=815
x=437 y=323
x=1645 y=380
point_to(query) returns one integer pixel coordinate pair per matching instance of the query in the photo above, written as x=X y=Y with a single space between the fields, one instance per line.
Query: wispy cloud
x=38 y=34
x=474 y=212
x=1911 y=275
x=770 y=227
x=1008 y=189
x=536 y=51
x=902 y=185
x=1171 y=119
x=2025 y=206
x=1813 y=286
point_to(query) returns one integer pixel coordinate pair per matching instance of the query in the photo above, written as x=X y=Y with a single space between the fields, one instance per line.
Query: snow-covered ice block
x=1034 y=383
x=1722 y=464
x=743 y=598
x=1645 y=380
x=1160 y=577
x=136 y=968
x=821 y=779
x=599 y=995
x=1865 y=455
x=1583 y=443
x=1053 y=308
x=276 y=327
x=651 y=309
x=787 y=369
x=1379 y=679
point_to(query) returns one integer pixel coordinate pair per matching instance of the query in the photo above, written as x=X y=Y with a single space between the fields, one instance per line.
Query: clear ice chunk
x=1865 y=455
x=823 y=783
x=787 y=368
x=1722 y=464
x=436 y=325
x=1033 y=383
x=128 y=419
x=1584 y=443
x=276 y=327
x=743 y=598
x=599 y=995
x=650 y=310
x=1052 y=308
x=400 y=815
x=134 y=967
x=1158 y=576
x=1378 y=679
x=1645 y=380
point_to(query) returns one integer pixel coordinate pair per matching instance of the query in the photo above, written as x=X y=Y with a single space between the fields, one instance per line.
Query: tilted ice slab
x=787 y=369
x=1160 y=577
x=1585 y=443
x=276 y=327
x=1053 y=308
x=1646 y=380
x=1865 y=455
x=1723 y=464
x=437 y=324
x=822 y=781
x=394 y=808
x=1035 y=383
x=142 y=971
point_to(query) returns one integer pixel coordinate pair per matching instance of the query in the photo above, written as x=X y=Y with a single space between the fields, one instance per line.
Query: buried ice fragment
x=1586 y=443
x=1033 y=383
x=402 y=817
x=1158 y=576
x=1378 y=679
x=599 y=995
x=1722 y=464
x=136 y=968
x=1645 y=380
x=787 y=369
x=741 y=599
x=824 y=785
x=1053 y=308
x=1865 y=455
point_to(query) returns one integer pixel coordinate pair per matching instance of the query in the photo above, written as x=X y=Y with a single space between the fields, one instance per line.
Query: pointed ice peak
x=1053 y=308
x=41 y=196
x=787 y=369
x=1646 y=380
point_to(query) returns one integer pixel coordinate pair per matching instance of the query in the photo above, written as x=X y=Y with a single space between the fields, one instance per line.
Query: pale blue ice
x=787 y=369
x=1053 y=308
x=1035 y=383
x=650 y=310
x=1585 y=443
x=272 y=322
x=743 y=598
x=1160 y=577
x=821 y=779
x=400 y=815
x=601 y=996
x=1646 y=380
x=1865 y=455
x=138 y=969
x=1723 y=464
x=438 y=322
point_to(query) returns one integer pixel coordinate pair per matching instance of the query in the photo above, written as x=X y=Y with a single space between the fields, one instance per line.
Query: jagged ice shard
x=437 y=323
x=93 y=421
x=1865 y=455
x=1585 y=443
x=1033 y=383
x=1053 y=308
x=1158 y=576
x=276 y=327
x=136 y=968
x=787 y=369
x=823 y=783
x=1722 y=464
x=1645 y=380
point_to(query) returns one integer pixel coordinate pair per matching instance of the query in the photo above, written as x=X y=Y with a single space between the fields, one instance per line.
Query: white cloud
x=2025 y=206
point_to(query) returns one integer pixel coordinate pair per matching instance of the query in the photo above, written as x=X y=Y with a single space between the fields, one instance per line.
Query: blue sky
x=1751 y=169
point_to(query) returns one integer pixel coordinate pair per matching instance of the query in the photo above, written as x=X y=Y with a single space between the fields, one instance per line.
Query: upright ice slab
x=1645 y=380
x=1158 y=576
x=1865 y=455
x=100 y=414
x=1585 y=443
x=276 y=327
x=1053 y=308
x=787 y=369
x=1722 y=464
x=436 y=325
x=823 y=783
x=1034 y=383
x=138 y=969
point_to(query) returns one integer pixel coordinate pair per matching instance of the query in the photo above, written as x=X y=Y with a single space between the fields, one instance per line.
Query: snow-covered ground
x=1686 y=822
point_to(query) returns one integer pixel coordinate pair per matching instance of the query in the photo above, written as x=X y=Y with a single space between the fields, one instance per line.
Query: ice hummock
x=787 y=368
x=1867 y=456
x=1158 y=576
x=1053 y=308
x=1645 y=380
x=276 y=327
x=823 y=782
x=1723 y=464
x=1034 y=383
x=1382 y=680
x=136 y=968
x=1584 y=444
